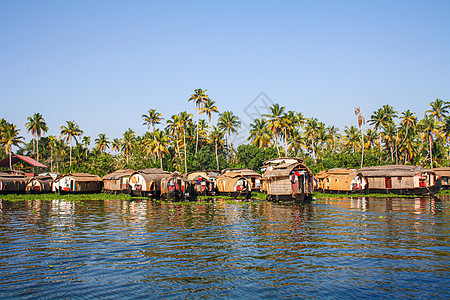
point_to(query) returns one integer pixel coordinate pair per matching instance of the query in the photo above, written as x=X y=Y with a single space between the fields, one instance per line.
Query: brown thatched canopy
x=393 y=171
x=283 y=170
x=118 y=174
x=442 y=171
x=84 y=177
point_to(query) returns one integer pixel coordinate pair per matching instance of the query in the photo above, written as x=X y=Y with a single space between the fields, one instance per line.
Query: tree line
x=184 y=144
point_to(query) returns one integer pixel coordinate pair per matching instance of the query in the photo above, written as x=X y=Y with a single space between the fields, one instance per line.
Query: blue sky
x=105 y=63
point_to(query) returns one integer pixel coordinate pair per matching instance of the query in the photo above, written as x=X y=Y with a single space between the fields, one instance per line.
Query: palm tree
x=275 y=119
x=10 y=137
x=52 y=142
x=216 y=137
x=102 y=143
x=296 y=142
x=445 y=129
x=72 y=130
x=115 y=144
x=128 y=140
x=184 y=121
x=260 y=135
x=158 y=144
x=361 y=122
x=152 y=118
x=351 y=138
x=228 y=122
x=208 y=108
x=333 y=131
x=311 y=130
x=438 y=109
x=429 y=128
x=37 y=125
x=199 y=97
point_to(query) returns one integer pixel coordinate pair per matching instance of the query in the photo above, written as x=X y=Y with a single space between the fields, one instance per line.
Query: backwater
x=352 y=248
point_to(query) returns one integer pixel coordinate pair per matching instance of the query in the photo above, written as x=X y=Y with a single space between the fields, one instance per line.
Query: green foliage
x=252 y=157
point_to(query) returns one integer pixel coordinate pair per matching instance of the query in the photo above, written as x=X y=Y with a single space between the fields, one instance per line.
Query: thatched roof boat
x=41 y=183
x=204 y=181
x=253 y=177
x=341 y=180
x=177 y=187
x=287 y=179
x=444 y=173
x=78 y=183
x=117 y=181
x=233 y=184
x=147 y=182
x=400 y=179
x=13 y=182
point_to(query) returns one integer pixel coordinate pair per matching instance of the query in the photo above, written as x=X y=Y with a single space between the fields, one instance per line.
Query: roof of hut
x=393 y=170
x=442 y=171
x=283 y=160
x=244 y=172
x=153 y=171
x=336 y=172
x=205 y=174
x=84 y=177
x=231 y=174
x=284 y=169
x=118 y=174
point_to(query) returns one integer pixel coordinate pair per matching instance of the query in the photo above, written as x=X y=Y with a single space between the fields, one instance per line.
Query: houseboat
x=233 y=184
x=402 y=180
x=341 y=180
x=204 y=181
x=287 y=179
x=79 y=183
x=444 y=174
x=147 y=182
x=177 y=187
x=253 y=177
x=117 y=182
x=41 y=183
x=13 y=182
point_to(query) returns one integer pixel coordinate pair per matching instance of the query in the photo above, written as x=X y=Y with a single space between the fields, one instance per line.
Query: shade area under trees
x=188 y=141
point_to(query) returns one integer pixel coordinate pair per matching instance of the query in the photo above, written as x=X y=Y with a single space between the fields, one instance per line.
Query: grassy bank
x=67 y=197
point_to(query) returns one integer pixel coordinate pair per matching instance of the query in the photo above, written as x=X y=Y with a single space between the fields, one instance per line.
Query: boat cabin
x=233 y=184
x=444 y=174
x=177 y=187
x=204 y=181
x=78 y=183
x=340 y=180
x=12 y=181
x=147 y=182
x=117 y=182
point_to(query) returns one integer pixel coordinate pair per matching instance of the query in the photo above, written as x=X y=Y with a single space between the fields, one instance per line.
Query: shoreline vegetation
x=188 y=142
x=200 y=199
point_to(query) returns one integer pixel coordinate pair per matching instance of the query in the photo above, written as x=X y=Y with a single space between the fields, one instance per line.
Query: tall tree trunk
x=70 y=156
x=184 y=141
x=196 y=141
x=160 y=159
x=217 y=157
x=362 y=148
x=10 y=159
x=431 y=150
x=51 y=158
x=285 y=143
x=37 y=149
x=276 y=145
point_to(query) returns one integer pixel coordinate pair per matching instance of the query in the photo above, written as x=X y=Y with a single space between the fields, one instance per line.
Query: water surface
x=330 y=248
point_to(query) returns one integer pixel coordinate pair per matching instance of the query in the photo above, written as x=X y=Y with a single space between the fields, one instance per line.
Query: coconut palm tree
x=216 y=137
x=158 y=144
x=370 y=140
x=333 y=133
x=296 y=141
x=228 y=122
x=129 y=137
x=311 y=131
x=208 y=108
x=184 y=121
x=37 y=126
x=199 y=98
x=439 y=109
x=152 y=118
x=361 y=122
x=115 y=144
x=429 y=128
x=275 y=120
x=52 y=142
x=351 y=138
x=102 y=143
x=260 y=135
x=72 y=130
x=10 y=137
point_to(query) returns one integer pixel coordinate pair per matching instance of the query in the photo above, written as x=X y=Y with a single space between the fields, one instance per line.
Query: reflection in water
x=356 y=247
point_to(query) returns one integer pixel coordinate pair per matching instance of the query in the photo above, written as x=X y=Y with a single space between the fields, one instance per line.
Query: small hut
x=80 y=183
x=204 y=181
x=444 y=173
x=403 y=180
x=13 y=182
x=147 y=182
x=177 y=187
x=117 y=182
x=233 y=184
x=253 y=177
x=288 y=179
x=41 y=183
x=341 y=180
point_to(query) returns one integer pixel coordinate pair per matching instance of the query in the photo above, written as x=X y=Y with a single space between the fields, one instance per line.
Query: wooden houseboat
x=13 y=182
x=253 y=177
x=41 y=183
x=80 y=183
x=147 y=182
x=204 y=181
x=177 y=187
x=402 y=180
x=117 y=182
x=233 y=184
x=444 y=174
x=287 y=179
x=341 y=180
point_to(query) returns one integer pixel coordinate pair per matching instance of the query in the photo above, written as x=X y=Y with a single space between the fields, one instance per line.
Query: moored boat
x=204 y=181
x=233 y=184
x=117 y=182
x=177 y=187
x=147 y=182
x=341 y=180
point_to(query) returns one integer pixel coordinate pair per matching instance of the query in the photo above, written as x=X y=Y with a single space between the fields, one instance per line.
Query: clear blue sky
x=105 y=63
